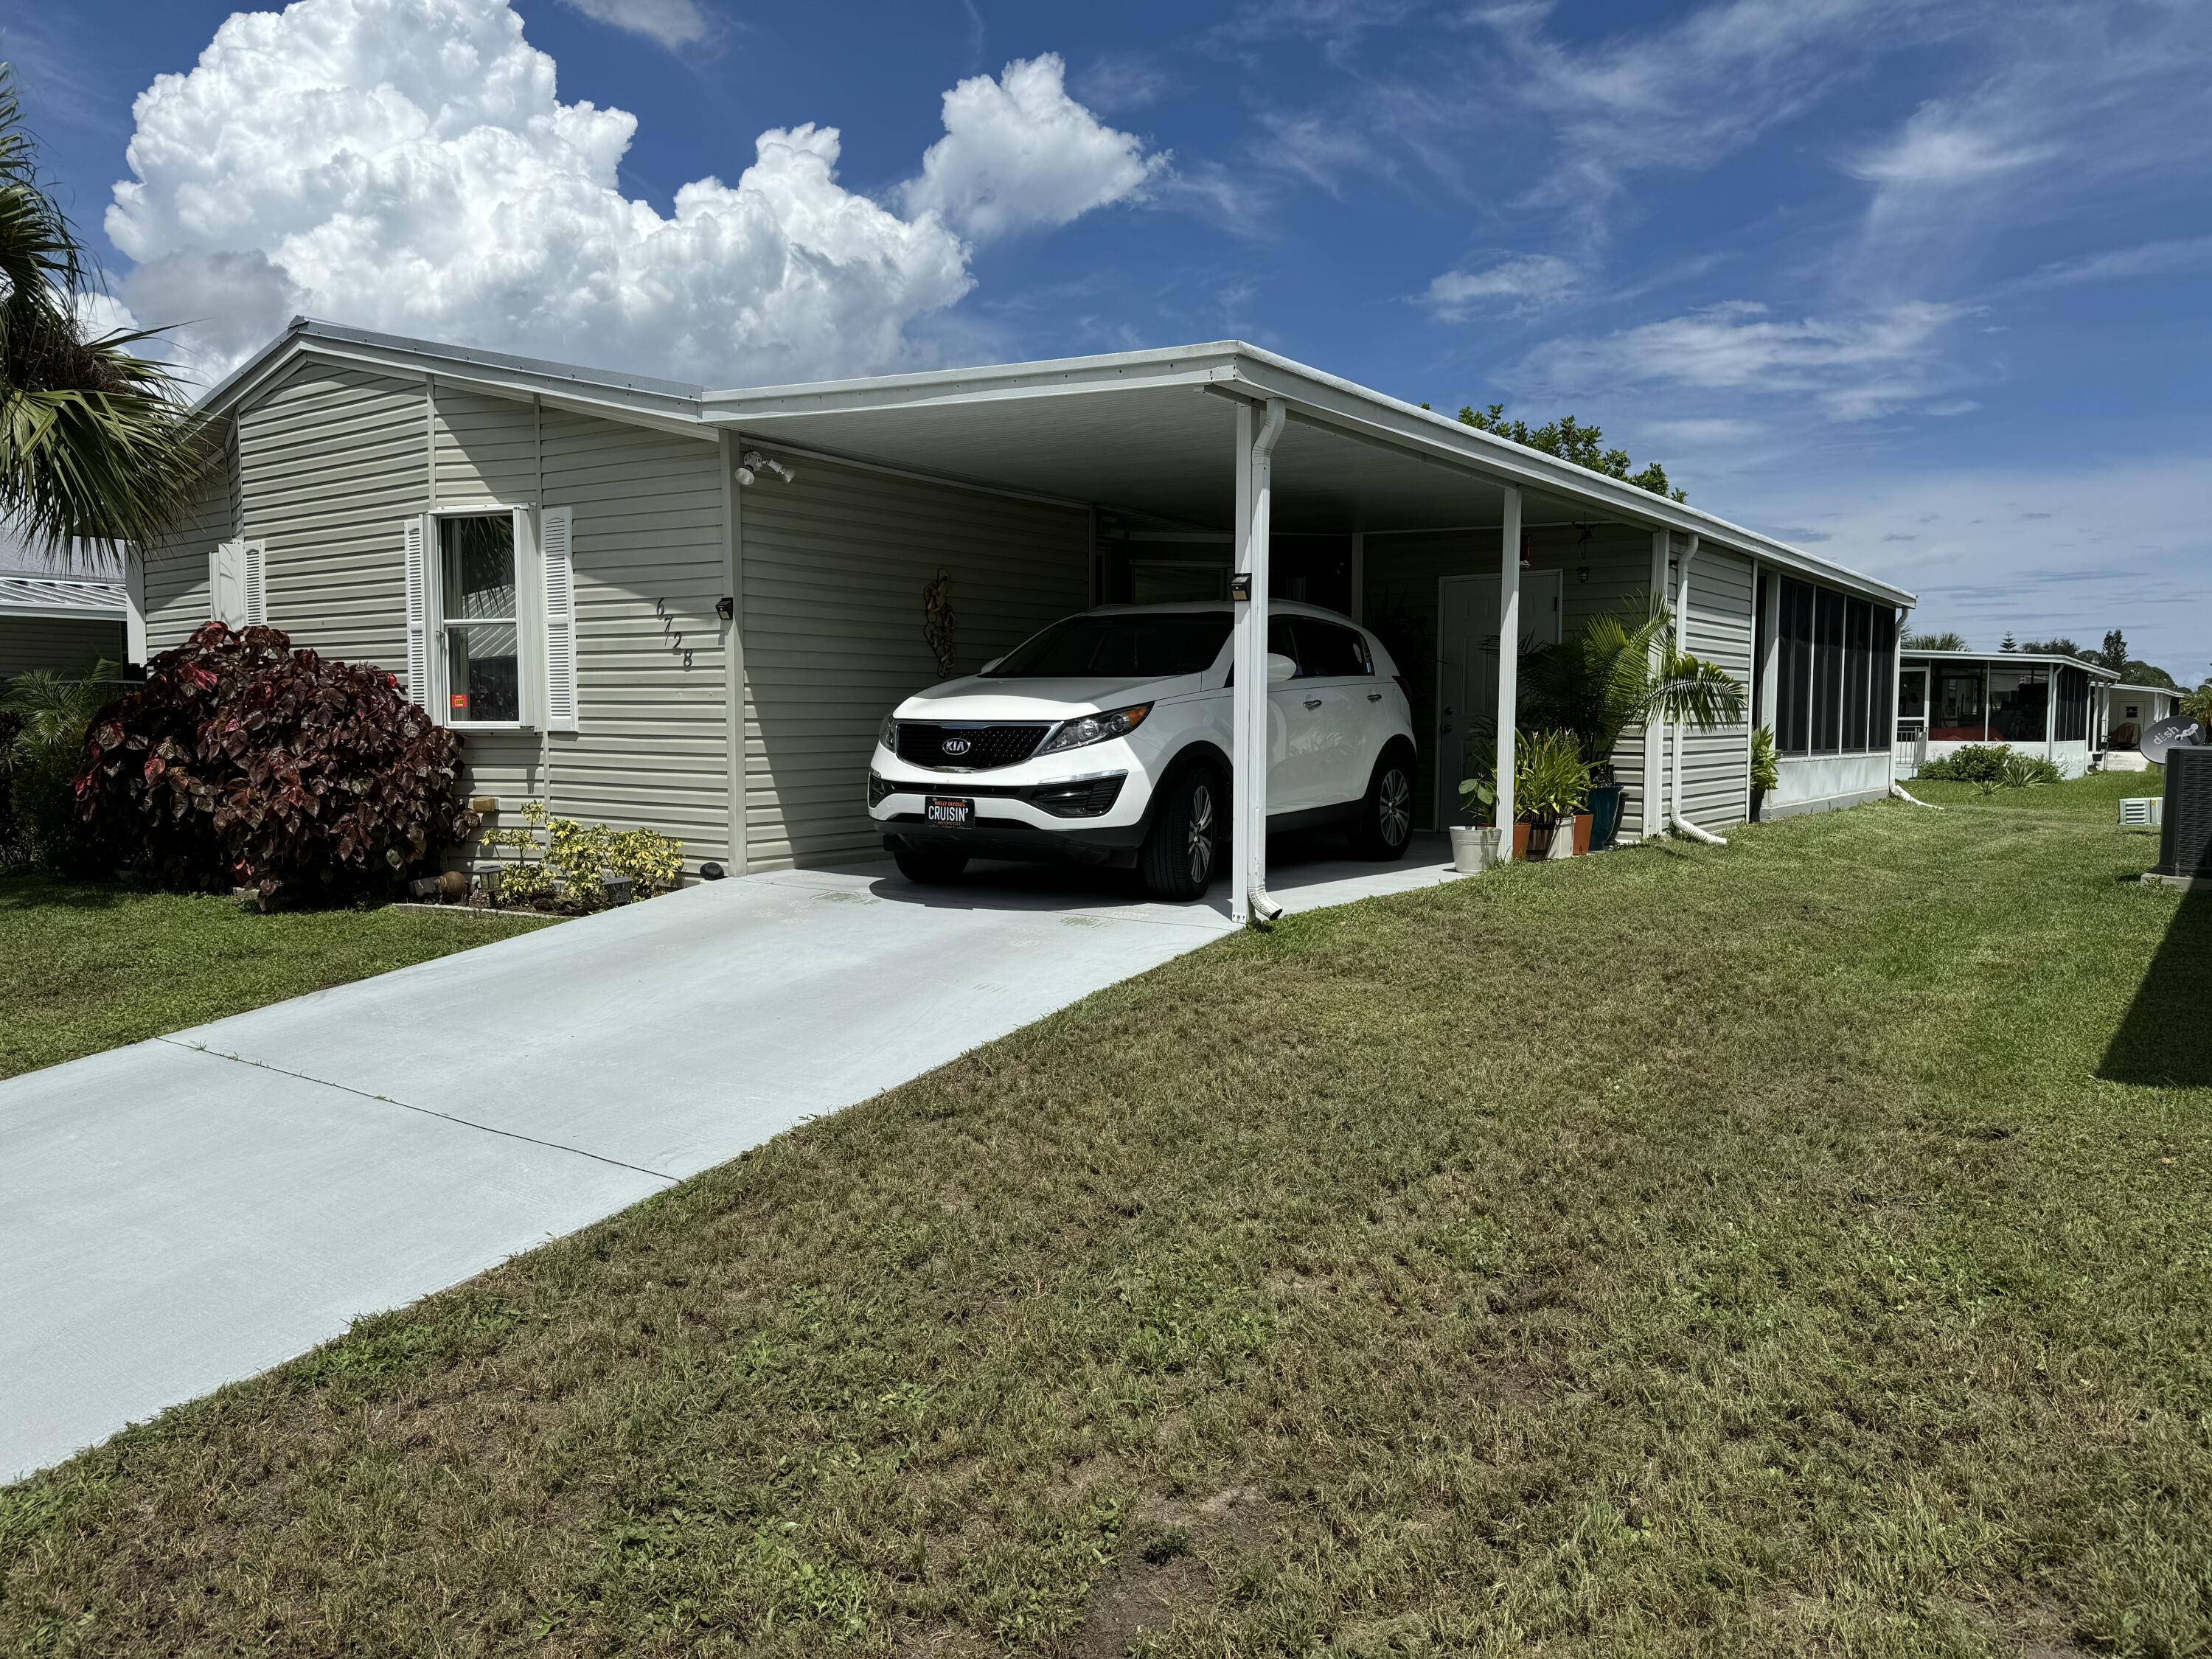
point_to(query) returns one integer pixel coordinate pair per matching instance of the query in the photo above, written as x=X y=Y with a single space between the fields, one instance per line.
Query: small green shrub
x=1765 y=764
x=1993 y=766
x=42 y=750
x=572 y=857
x=1977 y=763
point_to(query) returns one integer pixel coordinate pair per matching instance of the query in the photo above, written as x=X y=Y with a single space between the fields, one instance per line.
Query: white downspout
x=1509 y=666
x=1682 y=825
x=134 y=595
x=1250 y=900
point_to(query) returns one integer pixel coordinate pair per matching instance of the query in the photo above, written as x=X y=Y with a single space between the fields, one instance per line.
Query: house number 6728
x=671 y=633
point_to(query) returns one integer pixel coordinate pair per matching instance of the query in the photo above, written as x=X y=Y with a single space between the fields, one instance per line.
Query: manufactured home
x=2124 y=713
x=656 y=604
x=2050 y=706
x=64 y=624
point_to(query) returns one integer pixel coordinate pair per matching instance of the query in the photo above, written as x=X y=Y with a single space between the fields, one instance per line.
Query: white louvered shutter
x=253 y=560
x=559 y=527
x=227 y=584
x=415 y=533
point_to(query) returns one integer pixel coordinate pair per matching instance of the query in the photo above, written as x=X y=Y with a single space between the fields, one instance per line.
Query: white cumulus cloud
x=1855 y=367
x=1527 y=282
x=407 y=165
x=670 y=23
x=1019 y=153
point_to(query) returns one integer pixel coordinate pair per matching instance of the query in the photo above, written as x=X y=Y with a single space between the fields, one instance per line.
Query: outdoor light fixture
x=755 y=464
x=1582 y=573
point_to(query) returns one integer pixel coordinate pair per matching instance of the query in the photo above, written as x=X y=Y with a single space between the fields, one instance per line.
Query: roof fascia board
x=752 y=409
x=1999 y=658
x=1340 y=402
x=61 y=612
x=664 y=411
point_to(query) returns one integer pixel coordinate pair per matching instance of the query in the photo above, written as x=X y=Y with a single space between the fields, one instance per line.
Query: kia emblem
x=958 y=745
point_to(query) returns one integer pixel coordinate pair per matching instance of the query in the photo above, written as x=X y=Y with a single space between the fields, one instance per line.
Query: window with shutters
x=479 y=581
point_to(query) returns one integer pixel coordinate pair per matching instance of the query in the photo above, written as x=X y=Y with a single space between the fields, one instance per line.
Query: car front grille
x=987 y=746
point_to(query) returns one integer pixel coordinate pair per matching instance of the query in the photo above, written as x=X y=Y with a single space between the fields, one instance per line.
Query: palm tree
x=95 y=440
x=1619 y=672
x=1949 y=640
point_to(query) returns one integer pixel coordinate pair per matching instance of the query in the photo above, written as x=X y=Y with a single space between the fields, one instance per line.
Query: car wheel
x=1384 y=827
x=927 y=865
x=1183 y=850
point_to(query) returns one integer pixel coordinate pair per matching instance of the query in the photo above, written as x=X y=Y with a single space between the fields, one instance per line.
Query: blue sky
x=1921 y=286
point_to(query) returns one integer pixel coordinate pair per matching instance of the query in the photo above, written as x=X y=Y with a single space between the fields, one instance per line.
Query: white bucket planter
x=1474 y=847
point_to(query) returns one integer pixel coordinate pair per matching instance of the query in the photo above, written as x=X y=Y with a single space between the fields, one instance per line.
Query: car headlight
x=887 y=734
x=1095 y=728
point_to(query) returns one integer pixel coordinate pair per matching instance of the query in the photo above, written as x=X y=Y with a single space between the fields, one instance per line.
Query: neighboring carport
x=1229 y=446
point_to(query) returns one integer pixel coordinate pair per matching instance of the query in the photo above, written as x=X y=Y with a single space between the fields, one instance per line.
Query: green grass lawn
x=1801 y=1247
x=86 y=966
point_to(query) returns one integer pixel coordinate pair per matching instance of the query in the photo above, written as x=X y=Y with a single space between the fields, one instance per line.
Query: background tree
x=95 y=441
x=1571 y=441
x=2008 y=643
x=1949 y=640
x=2058 y=647
x=2114 y=656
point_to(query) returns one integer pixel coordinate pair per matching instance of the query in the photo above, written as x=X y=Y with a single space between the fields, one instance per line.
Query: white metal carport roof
x=1151 y=432
x=62 y=598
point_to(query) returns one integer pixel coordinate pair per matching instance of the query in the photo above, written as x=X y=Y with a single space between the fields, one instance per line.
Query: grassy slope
x=1693 y=1250
x=86 y=966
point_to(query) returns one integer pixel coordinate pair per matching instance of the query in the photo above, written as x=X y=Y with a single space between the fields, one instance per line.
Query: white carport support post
x=1509 y=662
x=1247 y=899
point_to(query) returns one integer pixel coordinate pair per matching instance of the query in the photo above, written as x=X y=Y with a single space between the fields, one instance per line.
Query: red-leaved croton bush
x=244 y=763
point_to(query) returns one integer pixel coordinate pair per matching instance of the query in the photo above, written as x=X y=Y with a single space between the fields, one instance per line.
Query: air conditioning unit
x=2184 y=843
x=2142 y=812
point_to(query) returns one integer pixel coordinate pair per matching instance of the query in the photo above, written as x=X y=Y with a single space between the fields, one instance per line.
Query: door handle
x=1447 y=728
x=1312 y=703
x=1374 y=696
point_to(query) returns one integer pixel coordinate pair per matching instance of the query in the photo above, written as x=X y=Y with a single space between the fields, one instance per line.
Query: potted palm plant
x=1765 y=770
x=1550 y=788
x=1621 y=672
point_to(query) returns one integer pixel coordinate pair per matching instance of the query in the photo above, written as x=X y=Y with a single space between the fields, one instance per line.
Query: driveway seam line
x=426 y=1111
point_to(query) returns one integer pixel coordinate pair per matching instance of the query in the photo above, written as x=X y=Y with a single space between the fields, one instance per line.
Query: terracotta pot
x=1583 y=821
x=1520 y=842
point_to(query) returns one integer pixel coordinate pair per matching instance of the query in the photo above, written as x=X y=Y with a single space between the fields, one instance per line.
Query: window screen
x=1883 y=648
x=2016 y=704
x=1827 y=672
x=1858 y=687
x=2073 y=706
x=1794 y=694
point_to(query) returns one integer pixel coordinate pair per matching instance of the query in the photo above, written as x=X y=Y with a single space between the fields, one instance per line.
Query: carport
x=1231 y=447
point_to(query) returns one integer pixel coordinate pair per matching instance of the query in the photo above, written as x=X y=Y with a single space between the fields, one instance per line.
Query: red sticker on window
x=458 y=702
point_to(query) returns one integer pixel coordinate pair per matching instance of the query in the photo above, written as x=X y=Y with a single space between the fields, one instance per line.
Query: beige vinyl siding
x=486 y=448
x=65 y=644
x=1402 y=574
x=651 y=560
x=1715 y=786
x=177 y=566
x=330 y=459
x=834 y=569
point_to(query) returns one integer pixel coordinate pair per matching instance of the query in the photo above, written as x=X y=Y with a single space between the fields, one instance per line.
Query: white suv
x=1105 y=739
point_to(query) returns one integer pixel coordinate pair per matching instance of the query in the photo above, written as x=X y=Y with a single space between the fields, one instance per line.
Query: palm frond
x=96 y=440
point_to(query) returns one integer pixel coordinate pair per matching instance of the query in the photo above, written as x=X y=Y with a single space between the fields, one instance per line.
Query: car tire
x=1384 y=829
x=927 y=866
x=1184 y=848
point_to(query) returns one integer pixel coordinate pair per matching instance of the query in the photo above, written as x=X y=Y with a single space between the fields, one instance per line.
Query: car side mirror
x=991 y=664
x=1280 y=668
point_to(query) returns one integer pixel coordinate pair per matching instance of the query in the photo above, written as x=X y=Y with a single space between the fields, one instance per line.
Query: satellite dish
x=2174 y=732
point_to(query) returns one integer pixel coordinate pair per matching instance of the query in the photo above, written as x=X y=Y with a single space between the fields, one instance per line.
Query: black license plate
x=956 y=811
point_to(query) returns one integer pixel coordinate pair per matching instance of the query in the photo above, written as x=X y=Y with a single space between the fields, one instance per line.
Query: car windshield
x=1146 y=644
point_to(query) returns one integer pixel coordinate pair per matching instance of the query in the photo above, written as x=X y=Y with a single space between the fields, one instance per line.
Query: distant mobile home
x=650 y=603
x=2053 y=707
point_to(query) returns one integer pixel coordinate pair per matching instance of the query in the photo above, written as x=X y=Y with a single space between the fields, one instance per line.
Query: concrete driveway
x=187 y=1211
